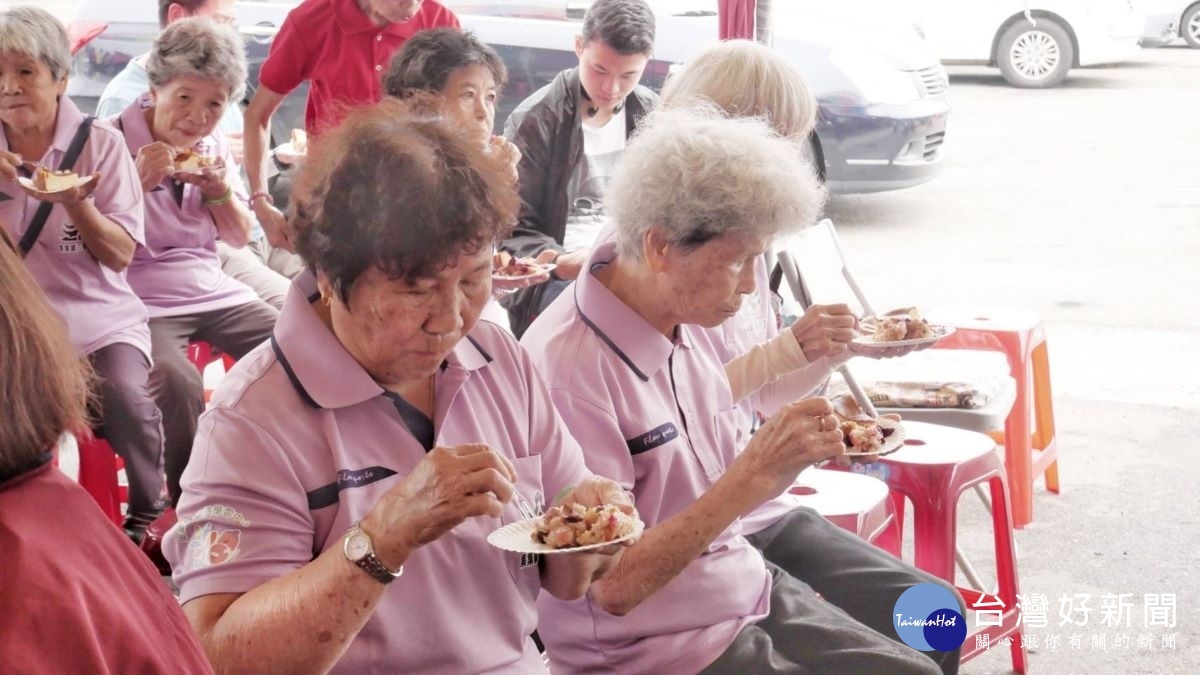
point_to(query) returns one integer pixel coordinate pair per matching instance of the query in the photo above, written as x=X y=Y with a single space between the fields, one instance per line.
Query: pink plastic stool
x=98 y=467
x=936 y=465
x=855 y=503
x=1030 y=449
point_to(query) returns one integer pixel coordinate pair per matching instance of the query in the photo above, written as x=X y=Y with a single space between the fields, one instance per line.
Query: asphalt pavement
x=1082 y=203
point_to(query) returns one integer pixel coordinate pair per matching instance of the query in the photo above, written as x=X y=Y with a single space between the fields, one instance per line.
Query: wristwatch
x=360 y=550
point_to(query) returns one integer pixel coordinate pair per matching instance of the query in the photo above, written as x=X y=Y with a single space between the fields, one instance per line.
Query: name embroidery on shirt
x=327 y=495
x=649 y=440
x=71 y=241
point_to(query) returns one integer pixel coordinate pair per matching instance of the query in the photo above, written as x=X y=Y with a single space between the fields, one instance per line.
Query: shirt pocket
x=524 y=567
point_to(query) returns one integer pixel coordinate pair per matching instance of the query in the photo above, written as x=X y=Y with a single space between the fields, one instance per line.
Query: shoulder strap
x=68 y=162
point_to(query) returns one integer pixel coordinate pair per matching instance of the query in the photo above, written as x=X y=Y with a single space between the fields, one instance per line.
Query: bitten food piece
x=860 y=432
x=577 y=525
x=902 y=324
x=505 y=265
x=45 y=180
x=187 y=160
x=299 y=141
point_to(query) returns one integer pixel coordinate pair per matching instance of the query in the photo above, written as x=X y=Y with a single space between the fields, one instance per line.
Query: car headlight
x=878 y=79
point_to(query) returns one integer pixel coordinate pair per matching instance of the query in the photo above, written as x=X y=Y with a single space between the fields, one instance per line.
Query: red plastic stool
x=1030 y=449
x=855 y=503
x=934 y=468
x=201 y=354
x=98 y=467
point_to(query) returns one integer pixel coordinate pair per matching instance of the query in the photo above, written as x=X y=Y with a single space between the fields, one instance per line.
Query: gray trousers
x=265 y=269
x=177 y=385
x=130 y=422
x=849 y=627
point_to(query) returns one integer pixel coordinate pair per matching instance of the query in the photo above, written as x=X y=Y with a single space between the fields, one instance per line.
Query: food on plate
x=505 y=265
x=860 y=432
x=299 y=141
x=189 y=160
x=578 y=525
x=901 y=324
x=45 y=180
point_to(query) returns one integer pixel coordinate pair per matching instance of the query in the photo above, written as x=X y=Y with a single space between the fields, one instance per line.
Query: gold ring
x=821 y=420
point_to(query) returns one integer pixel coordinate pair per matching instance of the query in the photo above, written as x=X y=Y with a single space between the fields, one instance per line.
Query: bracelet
x=224 y=199
x=261 y=194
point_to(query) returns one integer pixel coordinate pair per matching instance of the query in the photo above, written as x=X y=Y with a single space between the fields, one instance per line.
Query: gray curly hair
x=698 y=175
x=36 y=33
x=200 y=47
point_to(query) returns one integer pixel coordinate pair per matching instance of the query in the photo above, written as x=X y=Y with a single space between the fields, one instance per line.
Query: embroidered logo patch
x=209 y=540
x=71 y=241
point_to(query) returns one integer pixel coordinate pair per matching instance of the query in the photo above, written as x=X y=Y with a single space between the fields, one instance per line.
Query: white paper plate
x=524 y=277
x=518 y=538
x=286 y=152
x=216 y=167
x=939 y=332
x=890 y=444
x=27 y=183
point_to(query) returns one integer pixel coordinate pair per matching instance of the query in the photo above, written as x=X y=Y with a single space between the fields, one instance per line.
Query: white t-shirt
x=602 y=151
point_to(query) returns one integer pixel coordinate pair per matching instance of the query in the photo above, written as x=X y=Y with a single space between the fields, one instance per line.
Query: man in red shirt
x=341 y=48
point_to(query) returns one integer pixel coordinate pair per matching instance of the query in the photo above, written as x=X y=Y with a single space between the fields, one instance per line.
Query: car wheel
x=1035 y=55
x=1189 y=27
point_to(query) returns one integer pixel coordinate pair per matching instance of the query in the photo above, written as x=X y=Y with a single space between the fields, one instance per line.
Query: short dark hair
x=427 y=60
x=625 y=25
x=406 y=192
x=45 y=383
x=165 y=5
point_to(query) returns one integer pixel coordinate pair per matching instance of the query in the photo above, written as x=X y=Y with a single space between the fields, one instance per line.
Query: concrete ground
x=1082 y=203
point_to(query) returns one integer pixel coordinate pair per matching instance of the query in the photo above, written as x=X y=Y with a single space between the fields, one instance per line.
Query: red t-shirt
x=333 y=45
x=76 y=596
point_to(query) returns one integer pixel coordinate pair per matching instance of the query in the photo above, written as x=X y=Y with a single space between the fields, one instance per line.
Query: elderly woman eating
x=193 y=197
x=335 y=512
x=78 y=241
x=697 y=200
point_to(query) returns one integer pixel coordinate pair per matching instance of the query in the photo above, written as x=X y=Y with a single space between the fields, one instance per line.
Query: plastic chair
x=1017 y=333
x=935 y=466
x=1029 y=439
x=853 y=502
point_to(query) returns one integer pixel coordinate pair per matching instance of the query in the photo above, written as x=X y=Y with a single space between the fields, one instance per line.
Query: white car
x=1033 y=42
x=1167 y=20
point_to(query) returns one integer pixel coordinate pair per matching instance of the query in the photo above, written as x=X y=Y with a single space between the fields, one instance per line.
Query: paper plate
x=890 y=444
x=939 y=332
x=27 y=183
x=518 y=538
x=286 y=152
x=524 y=277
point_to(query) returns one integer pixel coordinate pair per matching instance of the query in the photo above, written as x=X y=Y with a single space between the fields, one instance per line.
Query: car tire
x=1035 y=55
x=1189 y=26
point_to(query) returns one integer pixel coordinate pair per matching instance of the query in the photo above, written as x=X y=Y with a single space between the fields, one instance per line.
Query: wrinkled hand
x=789 y=442
x=274 y=225
x=9 y=162
x=569 y=264
x=154 y=163
x=506 y=152
x=210 y=180
x=448 y=486
x=598 y=491
x=825 y=330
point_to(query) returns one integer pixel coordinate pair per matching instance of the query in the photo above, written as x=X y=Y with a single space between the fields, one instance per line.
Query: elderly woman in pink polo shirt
x=697 y=200
x=197 y=68
x=77 y=243
x=335 y=512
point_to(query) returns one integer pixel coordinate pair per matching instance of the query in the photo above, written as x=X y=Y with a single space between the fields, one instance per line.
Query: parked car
x=1167 y=20
x=1034 y=43
x=882 y=92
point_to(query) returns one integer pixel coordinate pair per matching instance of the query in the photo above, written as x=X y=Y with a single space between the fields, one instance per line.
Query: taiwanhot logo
x=926 y=618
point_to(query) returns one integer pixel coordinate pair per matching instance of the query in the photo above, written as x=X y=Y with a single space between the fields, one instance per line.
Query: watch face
x=357 y=546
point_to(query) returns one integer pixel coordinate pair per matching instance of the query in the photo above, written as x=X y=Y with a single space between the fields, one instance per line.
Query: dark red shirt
x=342 y=54
x=76 y=596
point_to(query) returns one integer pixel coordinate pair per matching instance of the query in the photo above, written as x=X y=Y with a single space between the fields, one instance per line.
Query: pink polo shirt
x=98 y=305
x=656 y=416
x=300 y=443
x=176 y=271
x=341 y=53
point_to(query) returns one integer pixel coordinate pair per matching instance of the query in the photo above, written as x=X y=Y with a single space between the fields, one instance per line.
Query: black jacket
x=546 y=129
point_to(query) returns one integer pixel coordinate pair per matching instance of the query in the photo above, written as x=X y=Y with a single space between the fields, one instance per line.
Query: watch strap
x=378 y=571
